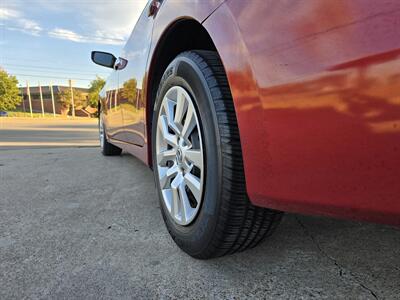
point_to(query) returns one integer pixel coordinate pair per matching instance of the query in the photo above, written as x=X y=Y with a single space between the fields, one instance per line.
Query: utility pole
x=115 y=99
x=52 y=100
x=23 y=99
x=29 y=97
x=137 y=99
x=41 y=99
x=72 y=98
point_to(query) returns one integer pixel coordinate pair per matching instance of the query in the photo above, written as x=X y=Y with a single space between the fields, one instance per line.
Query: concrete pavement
x=77 y=225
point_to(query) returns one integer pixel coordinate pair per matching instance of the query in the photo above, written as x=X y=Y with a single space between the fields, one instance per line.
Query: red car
x=246 y=109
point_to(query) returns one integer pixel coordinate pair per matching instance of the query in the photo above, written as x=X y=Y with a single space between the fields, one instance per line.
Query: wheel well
x=183 y=35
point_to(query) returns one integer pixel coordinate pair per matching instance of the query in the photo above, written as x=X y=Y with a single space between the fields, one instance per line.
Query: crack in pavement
x=332 y=259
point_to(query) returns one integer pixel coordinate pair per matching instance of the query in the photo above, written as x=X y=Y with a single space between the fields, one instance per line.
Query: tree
x=80 y=99
x=94 y=90
x=65 y=100
x=129 y=90
x=9 y=92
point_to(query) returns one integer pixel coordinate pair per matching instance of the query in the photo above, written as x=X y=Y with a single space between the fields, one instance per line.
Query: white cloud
x=111 y=21
x=16 y=21
x=115 y=18
x=8 y=13
x=65 y=34
x=29 y=26
x=105 y=22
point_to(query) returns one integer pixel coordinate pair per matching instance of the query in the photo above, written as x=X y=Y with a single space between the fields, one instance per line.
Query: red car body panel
x=316 y=88
x=317 y=95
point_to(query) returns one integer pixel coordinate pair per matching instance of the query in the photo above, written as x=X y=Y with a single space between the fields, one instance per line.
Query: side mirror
x=121 y=63
x=104 y=59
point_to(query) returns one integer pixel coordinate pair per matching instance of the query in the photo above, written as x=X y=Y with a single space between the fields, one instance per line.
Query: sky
x=50 y=40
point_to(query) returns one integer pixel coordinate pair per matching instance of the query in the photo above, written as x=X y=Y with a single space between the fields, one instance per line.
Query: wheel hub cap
x=180 y=157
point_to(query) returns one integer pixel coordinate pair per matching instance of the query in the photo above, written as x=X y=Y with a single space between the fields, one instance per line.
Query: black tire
x=227 y=222
x=107 y=149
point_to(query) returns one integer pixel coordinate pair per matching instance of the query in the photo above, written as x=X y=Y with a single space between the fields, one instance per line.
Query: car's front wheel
x=197 y=161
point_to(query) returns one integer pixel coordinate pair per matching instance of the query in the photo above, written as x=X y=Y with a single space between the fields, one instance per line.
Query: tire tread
x=241 y=225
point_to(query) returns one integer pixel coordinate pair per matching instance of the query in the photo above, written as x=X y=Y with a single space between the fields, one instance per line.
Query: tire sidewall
x=185 y=73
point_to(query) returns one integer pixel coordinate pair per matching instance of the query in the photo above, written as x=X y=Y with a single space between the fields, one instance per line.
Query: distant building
x=47 y=103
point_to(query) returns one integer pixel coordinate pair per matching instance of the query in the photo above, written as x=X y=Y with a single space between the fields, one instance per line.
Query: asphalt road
x=25 y=133
x=77 y=225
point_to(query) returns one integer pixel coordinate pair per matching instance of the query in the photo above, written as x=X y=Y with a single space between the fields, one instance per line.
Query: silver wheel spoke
x=168 y=137
x=171 y=200
x=168 y=198
x=177 y=181
x=176 y=203
x=172 y=171
x=176 y=158
x=187 y=209
x=165 y=156
x=190 y=123
x=196 y=157
x=181 y=106
x=193 y=183
x=166 y=173
x=169 y=110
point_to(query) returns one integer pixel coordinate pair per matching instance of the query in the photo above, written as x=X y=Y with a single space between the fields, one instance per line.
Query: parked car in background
x=246 y=109
x=3 y=114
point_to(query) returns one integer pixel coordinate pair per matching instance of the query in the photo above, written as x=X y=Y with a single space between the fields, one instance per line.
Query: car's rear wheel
x=107 y=148
x=197 y=161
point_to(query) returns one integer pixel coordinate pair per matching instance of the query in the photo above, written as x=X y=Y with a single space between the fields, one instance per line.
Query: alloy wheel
x=180 y=159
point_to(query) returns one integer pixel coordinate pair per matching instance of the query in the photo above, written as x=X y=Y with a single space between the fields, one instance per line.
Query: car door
x=111 y=108
x=131 y=79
